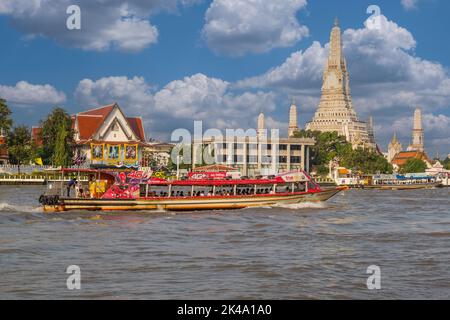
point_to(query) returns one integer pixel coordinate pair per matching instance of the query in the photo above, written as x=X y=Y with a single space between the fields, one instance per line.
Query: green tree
x=57 y=138
x=19 y=146
x=331 y=146
x=62 y=149
x=366 y=161
x=446 y=163
x=413 y=166
x=5 y=116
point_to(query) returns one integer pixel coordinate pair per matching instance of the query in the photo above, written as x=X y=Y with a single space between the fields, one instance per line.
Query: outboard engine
x=49 y=200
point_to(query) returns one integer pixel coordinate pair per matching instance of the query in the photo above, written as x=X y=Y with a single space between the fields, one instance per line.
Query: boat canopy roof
x=224 y=182
x=84 y=170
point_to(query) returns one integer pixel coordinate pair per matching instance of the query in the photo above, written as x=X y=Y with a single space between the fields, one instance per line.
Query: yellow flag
x=38 y=161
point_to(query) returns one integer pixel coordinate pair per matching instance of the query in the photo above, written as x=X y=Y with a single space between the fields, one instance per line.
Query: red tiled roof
x=3 y=152
x=90 y=121
x=137 y=127
x=35 y=136
x=102 y=111
x=88 y=125
x=402 y=157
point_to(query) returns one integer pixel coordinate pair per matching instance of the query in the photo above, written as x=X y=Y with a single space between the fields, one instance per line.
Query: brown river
x=307 y=251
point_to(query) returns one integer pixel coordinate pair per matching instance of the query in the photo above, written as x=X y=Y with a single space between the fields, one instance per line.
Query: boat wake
x=6 y=207
x=302 y=205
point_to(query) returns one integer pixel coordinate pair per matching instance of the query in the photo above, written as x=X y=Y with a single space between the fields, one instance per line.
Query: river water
x=310 y=251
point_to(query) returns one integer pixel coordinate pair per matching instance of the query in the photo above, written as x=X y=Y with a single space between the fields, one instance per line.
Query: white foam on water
x=4 y=206
x=301 y=205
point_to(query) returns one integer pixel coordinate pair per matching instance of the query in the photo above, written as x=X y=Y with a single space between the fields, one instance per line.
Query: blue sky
x=225 y=61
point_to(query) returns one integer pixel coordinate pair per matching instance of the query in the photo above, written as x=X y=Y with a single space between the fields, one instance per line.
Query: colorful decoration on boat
x=127 y=184
x=207 y=175
x=296 y=176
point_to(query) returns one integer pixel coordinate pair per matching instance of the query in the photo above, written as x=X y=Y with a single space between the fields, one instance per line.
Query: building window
x=238 y=159
x=296 y=147
x=283 y=146
x=252 y=159
x=282 y=159
x=296 y=159
x=266 y=160
x=253 y=146
x=238 y=146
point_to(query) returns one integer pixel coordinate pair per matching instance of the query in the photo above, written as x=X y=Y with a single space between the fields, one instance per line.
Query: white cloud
x=121 y=25
x=302 y=70
x=236 y=27
x=24 y=94
x=179 y=103
x=212 y=101
x=409 y=4
x=134 y=94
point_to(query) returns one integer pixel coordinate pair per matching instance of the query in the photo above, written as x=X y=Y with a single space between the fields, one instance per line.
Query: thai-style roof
x=36 y=136
x=90 y=121
x=402 y=157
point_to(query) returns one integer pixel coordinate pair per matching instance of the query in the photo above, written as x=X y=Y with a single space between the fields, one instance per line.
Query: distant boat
x=136 y=190
x=403 y=182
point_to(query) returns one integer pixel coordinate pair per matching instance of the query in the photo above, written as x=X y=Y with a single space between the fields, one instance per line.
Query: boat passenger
x=71 y=184
x=80 y=193
x=92 y=188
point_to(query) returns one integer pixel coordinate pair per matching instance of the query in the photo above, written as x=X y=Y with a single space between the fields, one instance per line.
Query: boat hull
x=404 y=186
x=190 y=203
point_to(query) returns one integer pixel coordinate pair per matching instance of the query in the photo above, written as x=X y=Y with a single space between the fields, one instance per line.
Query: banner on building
x=113 y=152
x=131 y=152
x=97 y=151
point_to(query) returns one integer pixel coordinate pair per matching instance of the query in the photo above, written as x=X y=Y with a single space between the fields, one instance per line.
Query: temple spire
x=417 y=134
x=335 y=112
x=261 y=125
x=293 y=121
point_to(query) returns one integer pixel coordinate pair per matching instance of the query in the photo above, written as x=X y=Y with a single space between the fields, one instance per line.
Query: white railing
x=12 y=169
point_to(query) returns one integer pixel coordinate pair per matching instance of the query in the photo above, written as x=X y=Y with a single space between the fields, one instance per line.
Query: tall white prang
x=335 y=111
x=417 y=133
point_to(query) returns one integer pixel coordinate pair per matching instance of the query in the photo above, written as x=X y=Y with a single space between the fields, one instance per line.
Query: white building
x=260 y=154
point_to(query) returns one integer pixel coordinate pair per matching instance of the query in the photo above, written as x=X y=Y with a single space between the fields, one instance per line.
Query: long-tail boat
x=138 y=190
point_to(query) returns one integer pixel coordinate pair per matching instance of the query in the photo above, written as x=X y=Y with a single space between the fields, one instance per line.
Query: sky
x=225 y=61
